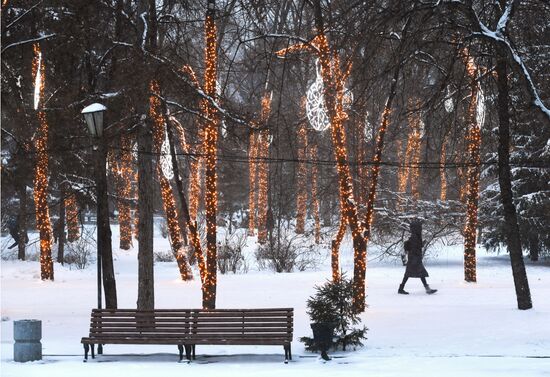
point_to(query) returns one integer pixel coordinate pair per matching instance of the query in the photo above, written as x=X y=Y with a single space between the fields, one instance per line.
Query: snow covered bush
x=332 y=303
x=163 y=256
x=286 y=251
x=80 y=253
x=230 y=253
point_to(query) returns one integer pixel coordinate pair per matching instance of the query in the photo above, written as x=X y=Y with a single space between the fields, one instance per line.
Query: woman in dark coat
x=415 y=268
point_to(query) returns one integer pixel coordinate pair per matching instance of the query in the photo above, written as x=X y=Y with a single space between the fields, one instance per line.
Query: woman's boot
x=401 y=290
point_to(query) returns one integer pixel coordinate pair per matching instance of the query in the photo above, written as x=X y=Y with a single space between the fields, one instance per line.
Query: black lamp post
x=93 y=115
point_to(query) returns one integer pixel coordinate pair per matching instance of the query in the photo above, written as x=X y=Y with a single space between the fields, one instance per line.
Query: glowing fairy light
x=473 y=138
x=252 y=169
x=314 y=197
x=41 y=172
x=316 y=110
x=443 y=172
x=172 y=219
x=123 y=183
x=73 y=229
x=210 y=145
x=263 y=173
x=38 y=77
x=301 y=179
x=334 y=92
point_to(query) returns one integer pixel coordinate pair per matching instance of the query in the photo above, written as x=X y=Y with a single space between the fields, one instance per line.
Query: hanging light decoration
x=41 y=172
x=316 y=110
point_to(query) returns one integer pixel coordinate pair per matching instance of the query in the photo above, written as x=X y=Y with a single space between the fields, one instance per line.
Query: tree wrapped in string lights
x=334 y=78
x=164 y=172
x=473 y=139
x=301 y=195
x=71 y=207
x=210 y=146
x=264 y=140
x=41 y=171
x=443 y=172
x=252 y=179
x=123 y=184
x=312 y=155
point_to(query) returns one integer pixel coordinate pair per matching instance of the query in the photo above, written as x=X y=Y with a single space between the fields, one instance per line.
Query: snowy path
x=464 y=329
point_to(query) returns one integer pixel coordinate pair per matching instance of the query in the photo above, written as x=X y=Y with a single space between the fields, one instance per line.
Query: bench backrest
x=193 y=323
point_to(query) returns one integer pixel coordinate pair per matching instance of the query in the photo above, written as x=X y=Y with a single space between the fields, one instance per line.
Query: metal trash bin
x=27 y=334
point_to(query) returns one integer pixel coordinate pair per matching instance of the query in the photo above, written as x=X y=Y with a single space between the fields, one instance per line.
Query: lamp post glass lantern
x=93 y=115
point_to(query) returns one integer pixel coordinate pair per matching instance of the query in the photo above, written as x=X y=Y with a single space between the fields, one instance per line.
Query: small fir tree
x=332 y=303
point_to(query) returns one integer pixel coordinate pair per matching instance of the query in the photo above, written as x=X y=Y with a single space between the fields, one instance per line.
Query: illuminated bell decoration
x=166 y=159
x=38 y=81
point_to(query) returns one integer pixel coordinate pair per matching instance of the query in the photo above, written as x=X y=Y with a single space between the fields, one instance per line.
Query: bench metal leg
x=288 y=353
x=180 y=349
x=86 y=350
x=93 y=351
x=100 y=349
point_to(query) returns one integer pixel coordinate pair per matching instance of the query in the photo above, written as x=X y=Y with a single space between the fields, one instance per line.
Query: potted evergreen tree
x=332 y=317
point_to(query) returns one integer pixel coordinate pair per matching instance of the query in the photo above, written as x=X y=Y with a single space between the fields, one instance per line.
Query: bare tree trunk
x=510 y=219
x=146 y=289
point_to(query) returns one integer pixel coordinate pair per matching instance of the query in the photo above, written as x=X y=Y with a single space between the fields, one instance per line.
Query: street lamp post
x=93 y=115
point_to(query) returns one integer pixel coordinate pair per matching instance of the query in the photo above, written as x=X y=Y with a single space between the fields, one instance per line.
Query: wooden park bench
x=188 y=327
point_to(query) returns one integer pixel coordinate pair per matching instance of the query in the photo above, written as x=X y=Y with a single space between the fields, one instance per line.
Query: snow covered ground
x=464 y=329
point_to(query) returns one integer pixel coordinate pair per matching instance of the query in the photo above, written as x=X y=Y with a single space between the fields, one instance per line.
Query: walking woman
x=415 y=268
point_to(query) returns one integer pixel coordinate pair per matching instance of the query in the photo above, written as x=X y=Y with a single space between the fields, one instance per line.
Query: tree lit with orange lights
x=473 y=139
x=172 y=219
x=41 y=171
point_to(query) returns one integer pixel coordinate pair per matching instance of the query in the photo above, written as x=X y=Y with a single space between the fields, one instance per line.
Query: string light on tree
x=73 y=229
x=210 y=145
x=442 y=171
x=314 y=197
x=334 y=78
x=473 y=172
x=123 y=184
x=252 y=179
x=41 y=170
x=301 y=179
x=164 y=173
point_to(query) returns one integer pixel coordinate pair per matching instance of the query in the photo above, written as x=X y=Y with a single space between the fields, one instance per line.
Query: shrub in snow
x=332 y=303
x=163 y=256
x=286 y=251
x=230 y=253
x=80 y=253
